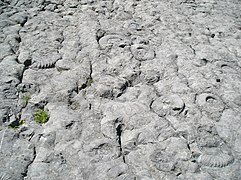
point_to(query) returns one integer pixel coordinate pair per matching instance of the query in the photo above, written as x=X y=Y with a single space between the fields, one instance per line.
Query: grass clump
x=89 y=82
x=16 y=124
x=26 y=98
x=41 y=116
x=21 y=122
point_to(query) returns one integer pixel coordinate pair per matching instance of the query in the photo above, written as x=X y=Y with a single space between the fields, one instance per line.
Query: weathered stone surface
x=133 y=89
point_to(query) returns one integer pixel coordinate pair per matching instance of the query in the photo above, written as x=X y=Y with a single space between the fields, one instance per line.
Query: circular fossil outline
x=211 y=104
x=142 y=52
x=110 y=40
x=212 y=148
x=232 y=66
x=150 y=76
x=207 y=137
x=163 y=161
x=170 y=104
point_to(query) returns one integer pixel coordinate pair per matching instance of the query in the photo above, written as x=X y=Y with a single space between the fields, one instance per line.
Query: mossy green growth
x=26 y=98
x=41 y=116
x=21 y=122
x=13 y=126
x=16 y=124
x=89 y=82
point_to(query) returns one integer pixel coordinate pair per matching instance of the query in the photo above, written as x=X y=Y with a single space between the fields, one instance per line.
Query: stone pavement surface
x=130 y=89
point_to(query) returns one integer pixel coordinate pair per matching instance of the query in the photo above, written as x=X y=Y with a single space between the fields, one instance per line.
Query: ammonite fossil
x=172 y=105
x=46 y=60
x=113 y=40
x=214 y=151
x=211 y=104
x=142 y=52
x=163 y=161
x=215 y=160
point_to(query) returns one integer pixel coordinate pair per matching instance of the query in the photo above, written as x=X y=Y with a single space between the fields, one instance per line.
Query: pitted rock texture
x=133 y=89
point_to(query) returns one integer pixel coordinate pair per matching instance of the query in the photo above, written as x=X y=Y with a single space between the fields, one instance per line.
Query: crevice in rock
x=119 y=131
x=25 y=174
x=88 y=81
x=99 y=34
x=70 y=125
x=188 y=146
x=194 y=51
x=91 y=70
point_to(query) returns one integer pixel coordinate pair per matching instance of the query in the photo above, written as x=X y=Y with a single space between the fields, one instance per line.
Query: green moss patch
x=41 y=116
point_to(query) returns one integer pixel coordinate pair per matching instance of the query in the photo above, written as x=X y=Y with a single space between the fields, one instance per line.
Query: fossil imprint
x=215 y=153
x=45 y=61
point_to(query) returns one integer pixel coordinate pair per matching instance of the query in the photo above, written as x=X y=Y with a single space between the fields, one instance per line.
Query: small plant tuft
x=89 y=82
x=26 y=98
x=41 y=116
x=16 y=124
x=13 y=126
x=21 y=122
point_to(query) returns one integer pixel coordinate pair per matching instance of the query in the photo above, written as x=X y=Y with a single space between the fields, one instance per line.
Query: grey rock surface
x=129 y=90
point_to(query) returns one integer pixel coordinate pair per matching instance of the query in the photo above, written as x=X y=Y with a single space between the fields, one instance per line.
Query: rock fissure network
x=120 y=89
